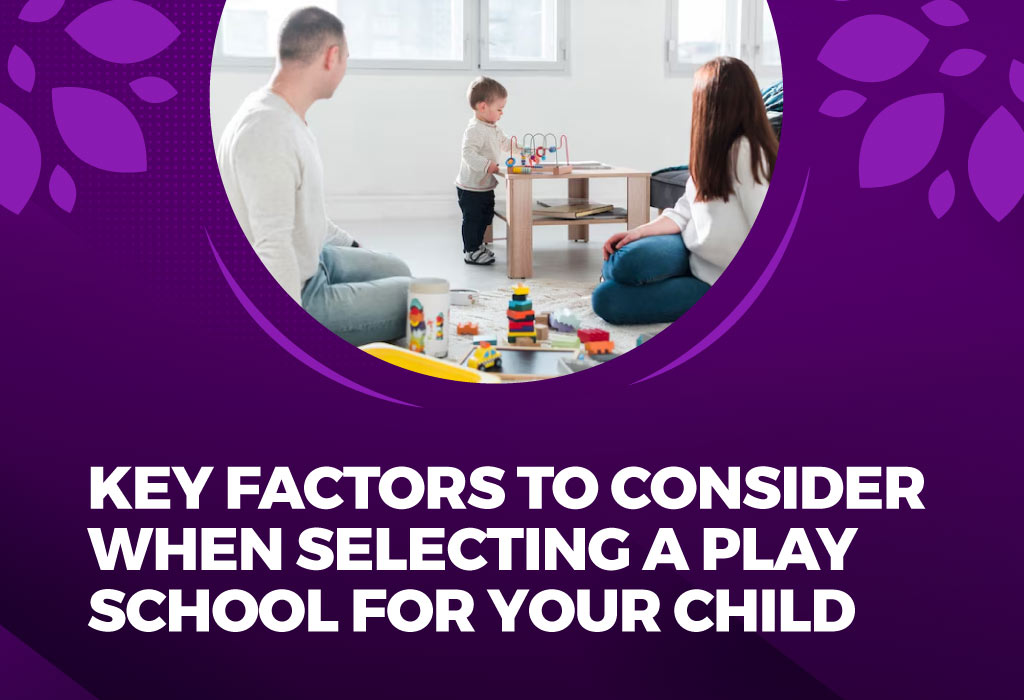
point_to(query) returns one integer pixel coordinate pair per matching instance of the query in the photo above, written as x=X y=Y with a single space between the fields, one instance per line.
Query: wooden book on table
x=569 y=208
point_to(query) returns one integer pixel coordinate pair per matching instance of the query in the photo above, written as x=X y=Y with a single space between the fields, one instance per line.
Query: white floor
x=433 y=248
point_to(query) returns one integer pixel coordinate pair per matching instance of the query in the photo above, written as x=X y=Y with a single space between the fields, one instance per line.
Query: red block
x=520 y=325
x=592 y=335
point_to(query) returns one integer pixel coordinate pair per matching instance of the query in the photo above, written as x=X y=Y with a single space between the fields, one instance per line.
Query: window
x=700 y=30
x=522 y=33
x=399 y=30
x=769 y=56
x=248 y=28
x=410 y=34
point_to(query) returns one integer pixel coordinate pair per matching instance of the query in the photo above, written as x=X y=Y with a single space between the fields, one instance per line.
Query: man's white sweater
x=274 y=179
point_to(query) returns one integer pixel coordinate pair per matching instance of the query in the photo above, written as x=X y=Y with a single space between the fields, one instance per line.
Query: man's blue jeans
x=358 y=294
x=648 y=281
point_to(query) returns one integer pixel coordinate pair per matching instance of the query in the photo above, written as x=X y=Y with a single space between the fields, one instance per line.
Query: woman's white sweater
x=714 y=231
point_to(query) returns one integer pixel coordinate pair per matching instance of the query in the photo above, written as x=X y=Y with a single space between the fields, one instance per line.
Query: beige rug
x=547 y=296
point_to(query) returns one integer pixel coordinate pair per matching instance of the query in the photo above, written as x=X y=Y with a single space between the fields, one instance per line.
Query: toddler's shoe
x=480 y=256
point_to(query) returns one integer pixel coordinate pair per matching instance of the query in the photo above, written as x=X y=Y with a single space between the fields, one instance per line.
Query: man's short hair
x=485 y=90
x=307 y=32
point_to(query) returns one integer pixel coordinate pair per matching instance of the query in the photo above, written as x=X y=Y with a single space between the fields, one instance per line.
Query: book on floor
x=572 y=208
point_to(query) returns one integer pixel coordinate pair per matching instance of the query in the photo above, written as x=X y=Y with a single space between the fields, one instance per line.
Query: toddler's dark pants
x=477 y=215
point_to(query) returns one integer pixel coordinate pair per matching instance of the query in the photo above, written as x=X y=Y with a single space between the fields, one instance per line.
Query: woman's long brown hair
x=727 y=105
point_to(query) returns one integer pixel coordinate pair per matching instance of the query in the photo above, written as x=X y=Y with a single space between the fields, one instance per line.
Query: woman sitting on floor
x=654 y=275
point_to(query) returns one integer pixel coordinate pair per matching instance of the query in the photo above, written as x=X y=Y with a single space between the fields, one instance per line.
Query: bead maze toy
x=533 y=157
x=521 y=317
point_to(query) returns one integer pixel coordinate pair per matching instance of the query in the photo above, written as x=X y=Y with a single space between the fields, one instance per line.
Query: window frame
x=674 y=66
x=475 y=51
x=559 y=65
x=744 y=40
x=761 y=70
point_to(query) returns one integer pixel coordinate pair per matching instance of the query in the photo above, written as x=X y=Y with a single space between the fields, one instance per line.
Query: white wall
x=391 y=142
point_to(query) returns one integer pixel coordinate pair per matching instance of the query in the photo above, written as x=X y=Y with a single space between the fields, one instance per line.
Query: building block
x=480 y=339
x=564 y=321
x=521 y=318
x=544 y=318
x=601 y=347
x=591 y=335
x=468 y=328
x=565 y=343
x=542 y=331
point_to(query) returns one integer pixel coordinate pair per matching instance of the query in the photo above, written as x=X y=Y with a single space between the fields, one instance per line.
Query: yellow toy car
x=485 y=358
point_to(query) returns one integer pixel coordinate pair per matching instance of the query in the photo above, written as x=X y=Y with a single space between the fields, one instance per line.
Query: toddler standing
x=482 y=147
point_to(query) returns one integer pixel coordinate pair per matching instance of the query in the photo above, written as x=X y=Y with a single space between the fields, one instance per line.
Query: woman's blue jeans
x=648 y=281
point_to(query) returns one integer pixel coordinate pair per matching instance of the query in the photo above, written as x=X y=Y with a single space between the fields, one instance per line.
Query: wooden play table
x=520 y=218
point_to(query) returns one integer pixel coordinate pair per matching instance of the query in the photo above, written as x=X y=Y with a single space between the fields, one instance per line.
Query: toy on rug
x=533 y=156
x=599 y=347
x=596 y=341
x=521 y=317
x=485 y=358
x=468 y=328
x=464 y=297
x=565 y=343
x=542 y=331
x=564 y=321
x=592 y=335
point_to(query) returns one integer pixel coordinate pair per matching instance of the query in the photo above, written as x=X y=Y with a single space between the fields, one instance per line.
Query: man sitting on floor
x=274 y=179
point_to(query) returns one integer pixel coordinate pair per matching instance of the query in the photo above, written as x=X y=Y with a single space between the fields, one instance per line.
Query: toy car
x=485 y=358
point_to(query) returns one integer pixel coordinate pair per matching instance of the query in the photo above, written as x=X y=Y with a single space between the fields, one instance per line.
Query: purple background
x=885 y=336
